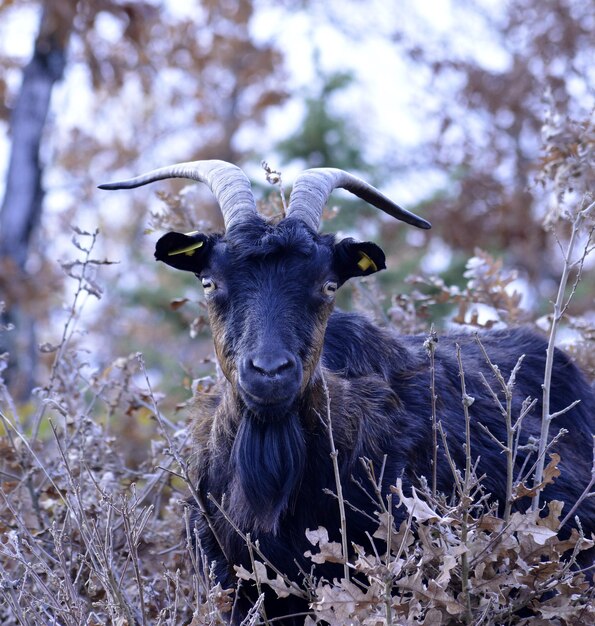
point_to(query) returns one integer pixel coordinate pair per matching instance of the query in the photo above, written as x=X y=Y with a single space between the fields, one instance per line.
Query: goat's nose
x=269 y=378
x=272 y=365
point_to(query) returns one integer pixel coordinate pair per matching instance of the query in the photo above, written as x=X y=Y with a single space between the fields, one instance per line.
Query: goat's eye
x=329 y=288
x=208 y=284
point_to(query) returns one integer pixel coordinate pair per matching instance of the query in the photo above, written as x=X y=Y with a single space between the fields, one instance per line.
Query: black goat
x=261 y=442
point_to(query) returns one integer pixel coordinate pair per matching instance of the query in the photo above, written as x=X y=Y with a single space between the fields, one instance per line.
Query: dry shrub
x=86 y=523
x=511 y=566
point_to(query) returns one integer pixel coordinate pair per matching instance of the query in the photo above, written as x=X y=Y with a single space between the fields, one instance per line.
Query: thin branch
x=586 y=491
x=335 y=461
x=467 y=401
x=559 y=308
x=430 y=346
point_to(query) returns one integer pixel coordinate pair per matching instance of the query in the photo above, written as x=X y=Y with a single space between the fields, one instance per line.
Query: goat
x=261 y=446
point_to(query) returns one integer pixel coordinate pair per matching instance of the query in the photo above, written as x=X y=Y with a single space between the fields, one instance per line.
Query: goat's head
x=270 y=288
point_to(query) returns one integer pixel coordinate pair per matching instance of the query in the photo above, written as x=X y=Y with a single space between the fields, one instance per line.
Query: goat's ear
x=187 y=252
x=357 y=258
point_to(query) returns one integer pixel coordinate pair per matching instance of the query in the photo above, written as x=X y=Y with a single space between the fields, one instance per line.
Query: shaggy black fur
x=269 y=460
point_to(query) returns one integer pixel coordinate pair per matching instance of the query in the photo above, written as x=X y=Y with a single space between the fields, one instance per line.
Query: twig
x=388 y=582
x=193 y=553
x=72 y=319
x=133 y=532
x=559 y=308
x=256 y=576
x=8 y=425
x=178 y=457
x=294 y=587
x=274 y=178
x=430 y=346
x=335 y=461
x=586 y=492
x=510 y=448
x=368 y=466
x=467 y=401
x=253 y=613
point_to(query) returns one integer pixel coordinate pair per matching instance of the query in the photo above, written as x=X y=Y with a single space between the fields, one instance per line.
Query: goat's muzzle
x=269 y=382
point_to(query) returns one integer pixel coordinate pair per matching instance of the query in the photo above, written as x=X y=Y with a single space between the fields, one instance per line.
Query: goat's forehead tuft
x=256 y=238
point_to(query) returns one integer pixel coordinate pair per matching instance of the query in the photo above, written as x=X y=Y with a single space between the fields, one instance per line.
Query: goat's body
x=379 y=388
x=263 y=448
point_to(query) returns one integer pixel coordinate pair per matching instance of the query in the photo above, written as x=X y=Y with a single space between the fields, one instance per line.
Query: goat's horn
x=229 y=185
x=313 y=187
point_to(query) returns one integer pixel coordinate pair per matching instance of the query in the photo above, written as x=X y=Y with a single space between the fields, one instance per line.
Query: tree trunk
x=21 y=208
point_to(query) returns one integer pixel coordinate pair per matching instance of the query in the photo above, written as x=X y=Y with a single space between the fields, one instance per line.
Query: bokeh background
x=476 y=114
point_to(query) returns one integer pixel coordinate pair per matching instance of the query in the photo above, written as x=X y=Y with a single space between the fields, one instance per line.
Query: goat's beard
x=269 y=459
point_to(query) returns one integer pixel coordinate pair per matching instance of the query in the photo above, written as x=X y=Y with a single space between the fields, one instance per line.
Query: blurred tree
x=489 y=117
x=143 y=84
x=479 y=79
x=325 y=137
x=21 y=207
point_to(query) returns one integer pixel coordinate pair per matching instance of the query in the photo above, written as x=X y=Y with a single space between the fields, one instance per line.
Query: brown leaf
x=433 y=618
x=177 y=303
x=490 y=523
x=553 y=517
x=341 y=602
x=525 y=524
x=416 y=507
x=330 y=551
x=260 y=575
x=448 y=564
x=403 y=537
x=550 y=473
x=432 y=593
x=572 y=541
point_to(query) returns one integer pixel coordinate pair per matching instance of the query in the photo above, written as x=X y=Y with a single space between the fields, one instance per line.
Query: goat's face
x=270 y=291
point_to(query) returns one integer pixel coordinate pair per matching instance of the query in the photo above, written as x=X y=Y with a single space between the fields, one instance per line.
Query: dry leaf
x=552 y=520
x=416 y=507
x=340 y=603
x=177 y=303
x=550 y=473
x=525 y=524
x=330 y=551
x=433 y=618
x=277 y=584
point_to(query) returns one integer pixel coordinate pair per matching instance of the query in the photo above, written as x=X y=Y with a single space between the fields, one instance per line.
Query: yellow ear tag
x=188 y=250
x=365 y=262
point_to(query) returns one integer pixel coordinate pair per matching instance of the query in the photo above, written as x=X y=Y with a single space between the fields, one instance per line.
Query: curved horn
x=229 y=185
x=313 y=187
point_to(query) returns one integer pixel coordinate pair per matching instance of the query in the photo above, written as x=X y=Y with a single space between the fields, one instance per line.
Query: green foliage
x=326 y=138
